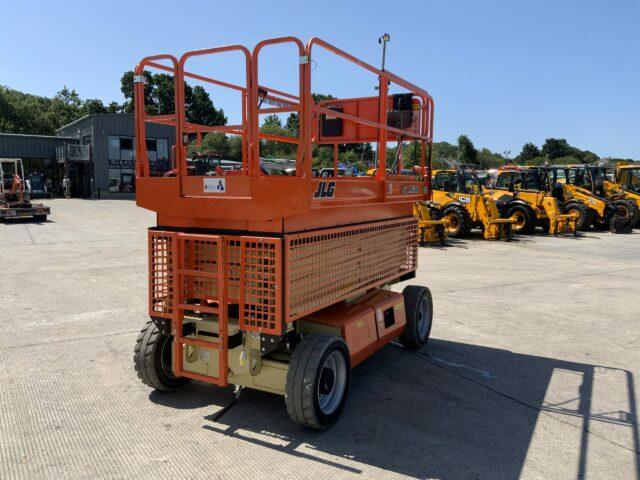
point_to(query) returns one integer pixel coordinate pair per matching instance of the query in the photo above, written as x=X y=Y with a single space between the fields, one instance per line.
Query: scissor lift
x=280 y=283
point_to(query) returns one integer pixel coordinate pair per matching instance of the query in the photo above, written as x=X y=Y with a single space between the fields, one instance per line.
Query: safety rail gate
x=272 y=280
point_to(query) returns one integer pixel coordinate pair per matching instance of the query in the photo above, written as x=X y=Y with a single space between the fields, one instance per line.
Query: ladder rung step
x=203 y=378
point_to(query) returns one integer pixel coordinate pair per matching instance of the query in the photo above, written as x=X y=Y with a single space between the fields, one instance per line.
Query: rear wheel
x=418 y=307
x=152 y=358
x=627 y=209
x=459 y=221
x=318 y=381
x=585 y=214
x=525 y=219
x=620 y=225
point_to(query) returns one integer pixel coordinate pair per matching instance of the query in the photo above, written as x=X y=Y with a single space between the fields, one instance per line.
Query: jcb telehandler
x=569 y=183
x=465 y=207
x=527 y=185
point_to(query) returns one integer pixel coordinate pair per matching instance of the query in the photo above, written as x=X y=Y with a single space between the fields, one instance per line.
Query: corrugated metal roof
x=15 y=145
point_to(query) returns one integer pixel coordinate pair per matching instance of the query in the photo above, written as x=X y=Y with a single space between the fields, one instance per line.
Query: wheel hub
x=332 y=382
x=327 y=379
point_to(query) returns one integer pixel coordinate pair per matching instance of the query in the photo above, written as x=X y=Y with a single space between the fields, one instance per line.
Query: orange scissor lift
x=280 y=283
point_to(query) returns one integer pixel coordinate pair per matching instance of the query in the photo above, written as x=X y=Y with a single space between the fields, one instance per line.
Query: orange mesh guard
x=320 y=268
x=162 y=248
x=326 y=266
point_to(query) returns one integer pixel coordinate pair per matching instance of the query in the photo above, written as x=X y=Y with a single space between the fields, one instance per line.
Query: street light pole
x=383 y=40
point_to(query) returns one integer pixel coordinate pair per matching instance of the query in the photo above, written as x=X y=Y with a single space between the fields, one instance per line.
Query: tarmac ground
x=530 y=372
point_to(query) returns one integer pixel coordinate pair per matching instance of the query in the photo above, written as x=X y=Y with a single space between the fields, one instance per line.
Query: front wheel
x=585 y=214
x=152 y=358
x=460 y=222
x=418 y=307
x=526 y=220
x=318 y=381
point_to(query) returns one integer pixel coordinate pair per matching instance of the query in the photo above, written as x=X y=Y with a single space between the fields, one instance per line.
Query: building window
x=152 y=152
x=126 y=149
x=163 y=150
x=122 y=154
x=114 y=148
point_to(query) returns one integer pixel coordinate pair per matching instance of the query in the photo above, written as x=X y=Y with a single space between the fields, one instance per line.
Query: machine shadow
x=22 y=221
x=457 y=410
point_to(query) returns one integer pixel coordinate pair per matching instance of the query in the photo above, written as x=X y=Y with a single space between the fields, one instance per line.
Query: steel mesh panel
x=327 y=266
x=234 y=269
x=200 y=259
x=260 y=309
x=252 y=275
x=161 y=247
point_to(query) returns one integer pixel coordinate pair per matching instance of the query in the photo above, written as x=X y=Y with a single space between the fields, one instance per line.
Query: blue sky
x=502 y=72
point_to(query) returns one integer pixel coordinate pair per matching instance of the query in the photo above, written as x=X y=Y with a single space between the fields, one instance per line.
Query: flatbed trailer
x=281 y=283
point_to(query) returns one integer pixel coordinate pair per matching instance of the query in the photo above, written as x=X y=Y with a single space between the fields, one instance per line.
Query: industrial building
x=96 y=151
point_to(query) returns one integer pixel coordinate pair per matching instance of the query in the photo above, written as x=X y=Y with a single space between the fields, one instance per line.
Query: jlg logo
x=325 y=190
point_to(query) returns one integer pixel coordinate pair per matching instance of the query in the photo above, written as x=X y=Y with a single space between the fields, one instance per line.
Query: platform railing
x=253 y=93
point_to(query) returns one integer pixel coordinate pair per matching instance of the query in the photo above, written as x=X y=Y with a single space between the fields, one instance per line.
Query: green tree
x=467 y=153
x=200 y=108
x=489 y=159
x=162 y=94
x=555 y=148
x=65 y=107
x=92 y=105
x=442 y=153
x=272 y=149
x=160 y=99
x=114 y=107
x=293 y=124
x=215 y=143
x=529 y=152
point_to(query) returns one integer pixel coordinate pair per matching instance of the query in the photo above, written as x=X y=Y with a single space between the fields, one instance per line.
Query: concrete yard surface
x=531 y=372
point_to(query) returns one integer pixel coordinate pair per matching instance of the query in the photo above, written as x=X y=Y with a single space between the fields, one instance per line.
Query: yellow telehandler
x=526 y=184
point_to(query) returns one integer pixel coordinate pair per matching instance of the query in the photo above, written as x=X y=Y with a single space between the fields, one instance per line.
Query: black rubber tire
x=151 y=367
x=586 y=214
x=303 y=381
x=529 y=219
x=416 y=297
x=460 y=223
x=544 y=224
x=632 y=211
x=620 y=224
x=40 y=218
